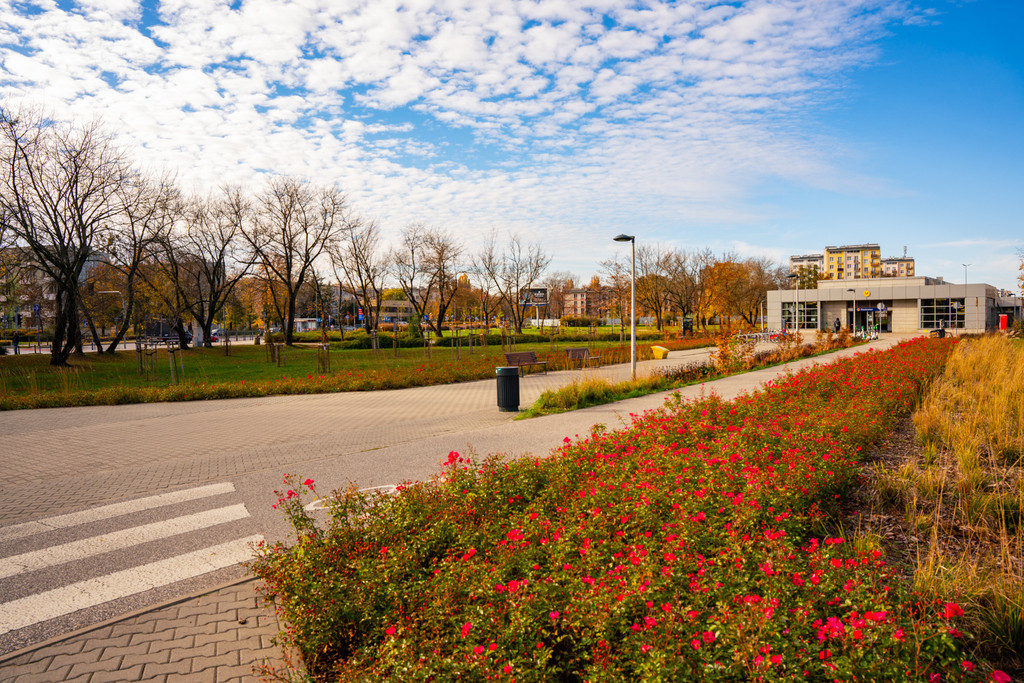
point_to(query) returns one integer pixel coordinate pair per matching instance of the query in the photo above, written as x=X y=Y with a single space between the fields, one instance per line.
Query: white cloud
x=562 y=113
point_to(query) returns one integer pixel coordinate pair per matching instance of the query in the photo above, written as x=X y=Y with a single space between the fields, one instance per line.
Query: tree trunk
x=179 y=327
x=126 y=323
x=289 y=326
x=92 y=329
x=62 y=341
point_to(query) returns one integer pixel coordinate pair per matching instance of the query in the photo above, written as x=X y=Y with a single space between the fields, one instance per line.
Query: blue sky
x=765 y=127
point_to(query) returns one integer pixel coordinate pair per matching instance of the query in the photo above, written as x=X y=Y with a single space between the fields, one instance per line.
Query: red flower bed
x=691 y=546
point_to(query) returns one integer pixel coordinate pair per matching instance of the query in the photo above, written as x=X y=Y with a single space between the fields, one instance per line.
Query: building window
x=936 y=313
x=808 y=315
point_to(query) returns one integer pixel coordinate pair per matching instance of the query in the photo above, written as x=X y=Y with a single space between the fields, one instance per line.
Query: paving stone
x=120 y=651
x=153 y=669
x=92 y=667
x=234 y=674
x=83 y=678
x=49 y=676
x=248 y=643
x=68 y=647
x=146 y=658
x=218 y=618
x=110 y=642
x=182 y=644
x=209 y=638
x=87 y=657
x=122 y=674
x=207 y=676
x=25 y=665
x=133 y=627
x=225 y=659
x=159 y=636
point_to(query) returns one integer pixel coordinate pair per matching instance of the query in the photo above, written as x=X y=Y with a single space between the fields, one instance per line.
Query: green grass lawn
x=31 y=374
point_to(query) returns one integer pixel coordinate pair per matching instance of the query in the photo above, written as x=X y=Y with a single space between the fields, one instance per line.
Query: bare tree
x=558 y=284
x=704 y=287
x=295 y=223
x=651 y=281
x=146 y=216
x=58 y=187
x=427 y=267
x=760 y=275
x=361 y=266
x=213 y=261
x=617 y=273
x=512 y=272
x=681 y=281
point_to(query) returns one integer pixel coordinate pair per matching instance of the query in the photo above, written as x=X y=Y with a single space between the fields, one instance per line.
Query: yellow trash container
x=660 y=352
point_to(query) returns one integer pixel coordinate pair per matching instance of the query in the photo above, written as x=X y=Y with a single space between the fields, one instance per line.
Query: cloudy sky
x=762 y=127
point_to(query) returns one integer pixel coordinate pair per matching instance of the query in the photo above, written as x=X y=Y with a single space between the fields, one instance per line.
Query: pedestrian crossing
x=54 y=567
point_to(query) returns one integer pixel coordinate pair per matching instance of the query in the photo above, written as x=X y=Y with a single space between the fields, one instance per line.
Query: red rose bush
x=693 y=545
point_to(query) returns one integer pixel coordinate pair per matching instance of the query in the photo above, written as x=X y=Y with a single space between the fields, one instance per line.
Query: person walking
x=836 y=325
x=16 y=339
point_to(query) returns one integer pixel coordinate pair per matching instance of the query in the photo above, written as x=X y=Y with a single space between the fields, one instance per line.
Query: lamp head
x=623 y=238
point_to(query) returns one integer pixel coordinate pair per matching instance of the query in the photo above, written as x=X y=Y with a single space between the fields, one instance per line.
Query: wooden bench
x=523 y=358
x=581 y=355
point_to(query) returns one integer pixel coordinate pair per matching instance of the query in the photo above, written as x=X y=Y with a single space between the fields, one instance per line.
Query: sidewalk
x=210 y=638
x=219 y=634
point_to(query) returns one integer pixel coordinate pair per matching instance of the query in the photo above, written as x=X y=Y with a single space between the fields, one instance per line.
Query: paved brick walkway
x=133 y=450
x=219 y=635
x=214 y=637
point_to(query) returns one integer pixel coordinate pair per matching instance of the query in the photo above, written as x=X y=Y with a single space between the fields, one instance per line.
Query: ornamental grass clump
x=962 y=490
x=689 y=546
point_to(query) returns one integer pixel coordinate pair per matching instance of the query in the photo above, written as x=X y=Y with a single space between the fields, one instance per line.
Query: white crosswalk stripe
x=116 y=509
x=61 y=577
x=97 y=545
x=60 y=601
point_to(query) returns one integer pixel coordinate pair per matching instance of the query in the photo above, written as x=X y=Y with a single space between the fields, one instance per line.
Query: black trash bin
x=508 y=389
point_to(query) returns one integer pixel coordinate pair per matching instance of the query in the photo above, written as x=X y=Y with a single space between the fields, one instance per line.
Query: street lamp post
x=796 y=310
x=632 y=306
x=965 y=271
x=854 y=325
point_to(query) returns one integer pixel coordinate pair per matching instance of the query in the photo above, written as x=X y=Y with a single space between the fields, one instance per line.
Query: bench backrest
x=521 y=357
x=577 y=354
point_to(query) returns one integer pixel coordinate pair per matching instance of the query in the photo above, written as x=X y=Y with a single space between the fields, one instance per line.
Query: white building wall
x=905 y=316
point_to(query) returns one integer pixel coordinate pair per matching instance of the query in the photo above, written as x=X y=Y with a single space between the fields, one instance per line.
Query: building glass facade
x=936 y=313
x=806 y=315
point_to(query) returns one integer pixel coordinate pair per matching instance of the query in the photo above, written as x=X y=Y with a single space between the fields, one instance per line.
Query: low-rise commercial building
x=893 y=304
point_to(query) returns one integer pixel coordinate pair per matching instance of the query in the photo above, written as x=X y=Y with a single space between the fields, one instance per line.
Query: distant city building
x=815 y=262
x=853 y=261
x=898 y=267
x=585 y=302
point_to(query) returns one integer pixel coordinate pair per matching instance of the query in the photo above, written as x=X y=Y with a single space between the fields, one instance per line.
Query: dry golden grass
x=966 y=492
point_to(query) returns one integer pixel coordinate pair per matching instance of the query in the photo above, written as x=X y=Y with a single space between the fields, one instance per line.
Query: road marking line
x=113 y=510
x=54 y=603
x=97 y=545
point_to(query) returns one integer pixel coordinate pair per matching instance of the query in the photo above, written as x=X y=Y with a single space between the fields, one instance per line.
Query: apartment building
x=898 y=267
x=815 y=262
x=853 y=261
x=585 y=302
